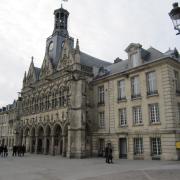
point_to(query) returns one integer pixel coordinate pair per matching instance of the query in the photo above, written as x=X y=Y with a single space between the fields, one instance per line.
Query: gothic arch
x=48 y=130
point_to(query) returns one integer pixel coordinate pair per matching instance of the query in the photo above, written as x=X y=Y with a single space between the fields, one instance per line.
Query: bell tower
x=55 y=42
x=61 y=21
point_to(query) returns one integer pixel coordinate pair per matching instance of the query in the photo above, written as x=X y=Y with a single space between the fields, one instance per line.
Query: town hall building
x=75 y=104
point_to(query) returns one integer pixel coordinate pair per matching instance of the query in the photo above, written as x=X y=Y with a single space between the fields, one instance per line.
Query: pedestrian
x=110 y=154
x=23 y=149
x=1 y=150
x=5 y=151
x=106 y=154
x=14 y=150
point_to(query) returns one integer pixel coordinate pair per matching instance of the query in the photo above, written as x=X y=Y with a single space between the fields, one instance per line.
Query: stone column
x=68 y=153
x=45 y=145
x=52 y=145
x=30 y=144
x=36 y=145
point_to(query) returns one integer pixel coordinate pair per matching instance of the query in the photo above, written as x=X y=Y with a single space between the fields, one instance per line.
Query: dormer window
x=134 y=60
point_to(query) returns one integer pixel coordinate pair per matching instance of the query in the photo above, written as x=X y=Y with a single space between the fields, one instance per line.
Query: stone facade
x=75 y=104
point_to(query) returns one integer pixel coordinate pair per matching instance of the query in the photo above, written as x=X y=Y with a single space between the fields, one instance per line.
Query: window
x=151 y=83
x=156 y=146
x=154 y=113
x=178 y=113
x=134 y=60
x=61 y=98
x=122 y=117
x=176 y=81
x=101 y=120
x=135 y=87
x=101 y=95
x=137 y=115
x=138 y=146
x=121 y=90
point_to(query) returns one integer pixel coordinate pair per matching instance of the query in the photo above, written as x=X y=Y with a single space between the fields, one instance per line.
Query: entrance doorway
x=123 y=148
x=101 y=152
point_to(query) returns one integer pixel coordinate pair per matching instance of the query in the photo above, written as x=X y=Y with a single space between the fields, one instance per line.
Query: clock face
x=51 y=45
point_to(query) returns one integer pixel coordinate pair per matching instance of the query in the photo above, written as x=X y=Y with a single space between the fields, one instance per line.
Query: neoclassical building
x=75 y=104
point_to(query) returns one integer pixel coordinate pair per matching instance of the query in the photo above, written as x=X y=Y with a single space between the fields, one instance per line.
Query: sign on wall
x=177 y=145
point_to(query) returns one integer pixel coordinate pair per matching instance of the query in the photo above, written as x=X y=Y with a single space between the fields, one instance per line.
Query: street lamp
x=175 y=17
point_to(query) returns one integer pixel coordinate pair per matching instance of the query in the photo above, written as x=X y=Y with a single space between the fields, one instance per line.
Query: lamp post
x=175 y=17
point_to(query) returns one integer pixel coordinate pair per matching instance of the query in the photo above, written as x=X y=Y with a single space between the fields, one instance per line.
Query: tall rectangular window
x=135 y=87
x=137 y=115
x=156 y=146
x=121 y=90
x=138 y=146
x=101 y=120
x=101 y=95
x=154 y=113
x=151 y=83
x=134 y=60
x=122 y=117
x=178 y=112
x=176 y=81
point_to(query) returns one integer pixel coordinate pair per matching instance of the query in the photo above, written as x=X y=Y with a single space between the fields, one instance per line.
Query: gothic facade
x=75 y=104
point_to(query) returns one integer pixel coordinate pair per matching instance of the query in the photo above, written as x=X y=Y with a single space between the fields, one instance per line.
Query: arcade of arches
x=46 y=139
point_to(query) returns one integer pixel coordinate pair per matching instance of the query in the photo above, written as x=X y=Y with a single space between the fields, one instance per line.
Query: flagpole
x=62 y=2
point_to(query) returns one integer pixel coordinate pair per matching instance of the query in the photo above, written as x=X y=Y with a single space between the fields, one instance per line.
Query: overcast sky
x=104 y=28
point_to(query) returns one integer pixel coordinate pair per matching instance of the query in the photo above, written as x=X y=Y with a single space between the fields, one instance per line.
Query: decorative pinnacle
x=77 y=45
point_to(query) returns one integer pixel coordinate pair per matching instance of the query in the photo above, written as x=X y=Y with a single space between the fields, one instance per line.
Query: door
x=101 y=148
x=123 y=148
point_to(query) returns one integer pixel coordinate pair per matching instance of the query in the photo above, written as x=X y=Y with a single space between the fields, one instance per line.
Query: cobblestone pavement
x=39 y=167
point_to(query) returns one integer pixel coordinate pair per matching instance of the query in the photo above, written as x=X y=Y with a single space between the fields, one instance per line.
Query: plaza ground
x=39 y=167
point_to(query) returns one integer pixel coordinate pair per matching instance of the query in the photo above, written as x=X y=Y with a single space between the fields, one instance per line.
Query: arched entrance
x=40 y=140
x=57 y=139
x=26 y=141
x=48 y=139
x=33 y=140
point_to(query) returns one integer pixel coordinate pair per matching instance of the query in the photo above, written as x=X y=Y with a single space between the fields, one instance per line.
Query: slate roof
x=91 y=61
x=148 y=55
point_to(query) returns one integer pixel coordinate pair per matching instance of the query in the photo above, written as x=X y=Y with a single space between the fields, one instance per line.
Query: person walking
x=5 y=151
x=110 y=155
x=106 y=154
x=14 y=150
x=1 y=150
x=23 y=149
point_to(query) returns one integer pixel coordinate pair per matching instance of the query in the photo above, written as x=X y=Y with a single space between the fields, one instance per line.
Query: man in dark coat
x=5 y=151
x=14 y=150
x=106 y=154
x=1 y=150
x=23 y=149
x=110 y=155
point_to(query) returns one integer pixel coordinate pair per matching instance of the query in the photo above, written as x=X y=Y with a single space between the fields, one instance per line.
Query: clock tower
x=55 y=42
